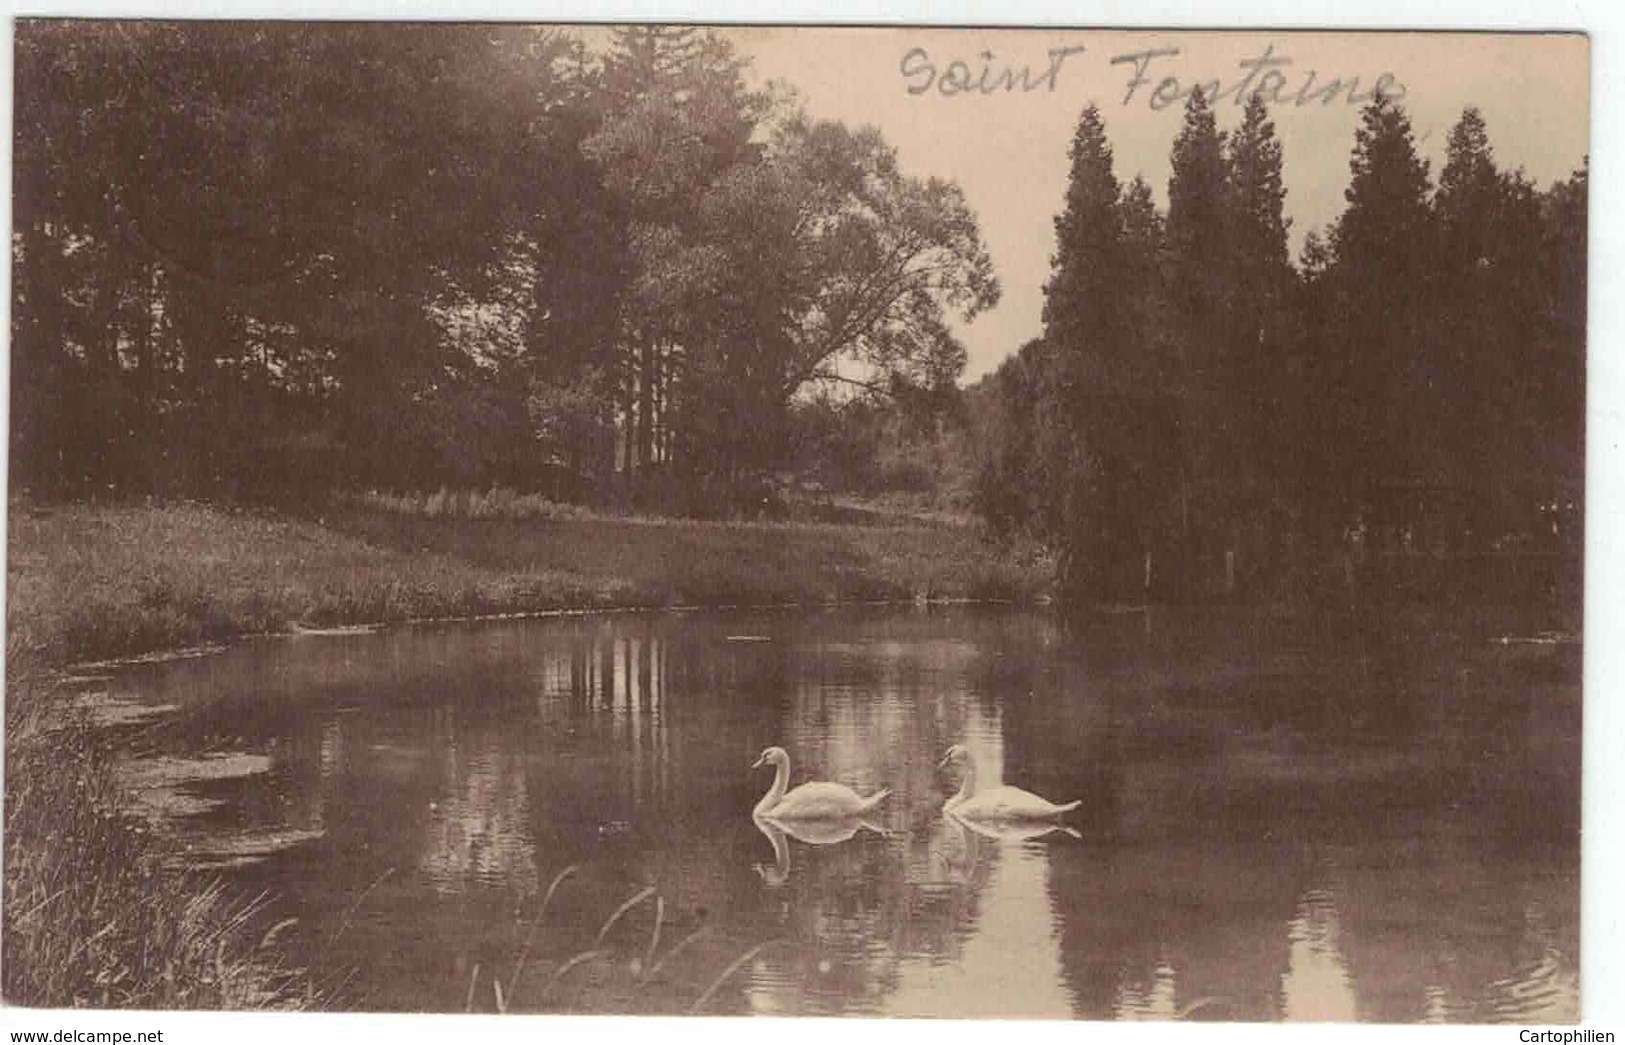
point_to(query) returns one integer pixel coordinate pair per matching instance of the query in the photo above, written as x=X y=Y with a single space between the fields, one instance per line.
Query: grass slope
x=89 y=582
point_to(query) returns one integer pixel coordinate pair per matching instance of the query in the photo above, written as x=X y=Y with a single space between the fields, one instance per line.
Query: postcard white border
x=1602 y=965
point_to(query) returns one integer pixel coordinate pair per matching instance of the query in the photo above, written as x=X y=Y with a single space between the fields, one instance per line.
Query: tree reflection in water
x=1281 y=818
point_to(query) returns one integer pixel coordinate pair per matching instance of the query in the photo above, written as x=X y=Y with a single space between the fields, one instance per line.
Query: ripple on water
x=1542 y=992
x=161 y=792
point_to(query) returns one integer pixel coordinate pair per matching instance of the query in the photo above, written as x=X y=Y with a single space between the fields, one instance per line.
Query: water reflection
x=1012 y=830
x=1278 y=821
x=1139 y=1000
x=808 y=832
x=1316 y=985
x=1000 y=958
x=480 y=830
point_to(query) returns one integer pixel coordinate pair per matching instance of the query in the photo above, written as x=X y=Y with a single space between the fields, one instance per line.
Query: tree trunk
x=628 y=429
x=200 y=326
x=646 y=403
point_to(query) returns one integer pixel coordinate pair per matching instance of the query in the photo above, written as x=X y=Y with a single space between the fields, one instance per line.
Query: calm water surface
x=1372 y=820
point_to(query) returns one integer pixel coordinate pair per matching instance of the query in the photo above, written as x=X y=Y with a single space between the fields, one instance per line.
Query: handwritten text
x=1264 y=75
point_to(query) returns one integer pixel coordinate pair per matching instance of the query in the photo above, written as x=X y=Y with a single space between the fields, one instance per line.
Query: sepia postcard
x=899 y=521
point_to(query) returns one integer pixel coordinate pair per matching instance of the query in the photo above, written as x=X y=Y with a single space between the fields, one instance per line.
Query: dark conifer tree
x=1382 y=287
x=1469 y=353
x=1201 y=299
x=1082 y=327
x=1562 y=348
x=1263 y=378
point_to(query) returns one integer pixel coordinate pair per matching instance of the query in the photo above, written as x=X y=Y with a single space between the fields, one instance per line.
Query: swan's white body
x=819 y=800
x=1012 y=829
x=1003 y=803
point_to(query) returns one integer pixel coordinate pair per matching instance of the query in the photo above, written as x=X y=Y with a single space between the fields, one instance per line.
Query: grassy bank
x=93 y=917
x=90 y=582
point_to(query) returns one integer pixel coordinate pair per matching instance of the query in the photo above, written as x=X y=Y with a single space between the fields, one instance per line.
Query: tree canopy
x=319 y=254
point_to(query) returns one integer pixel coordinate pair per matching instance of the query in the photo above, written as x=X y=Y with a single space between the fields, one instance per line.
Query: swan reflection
x=810 y=832
x=1010 y=830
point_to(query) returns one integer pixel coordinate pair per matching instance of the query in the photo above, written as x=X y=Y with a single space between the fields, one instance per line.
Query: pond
x=1367 y=817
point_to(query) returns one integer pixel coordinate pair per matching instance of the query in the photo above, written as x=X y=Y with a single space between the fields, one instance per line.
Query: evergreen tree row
x=1201 y=418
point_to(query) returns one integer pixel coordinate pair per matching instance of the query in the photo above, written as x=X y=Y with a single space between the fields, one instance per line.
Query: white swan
x=819 y=800
x=996 y=803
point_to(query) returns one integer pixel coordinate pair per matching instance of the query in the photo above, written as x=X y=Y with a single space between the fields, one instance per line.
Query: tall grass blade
x=1204 y=1002
x=274 y=931
x=637 y=898
x=733 y=967
x=559 y=973
x=344 y=923
x=339 y=988
x=40 y=906
x=654 y=935
x=530 y=935
x=677 y=949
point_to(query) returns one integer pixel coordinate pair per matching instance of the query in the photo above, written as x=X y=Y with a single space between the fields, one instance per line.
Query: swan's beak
x=758 y=764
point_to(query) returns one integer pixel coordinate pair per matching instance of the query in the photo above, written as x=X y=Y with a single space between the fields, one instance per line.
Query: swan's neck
x=967 y=785
x=781 y=777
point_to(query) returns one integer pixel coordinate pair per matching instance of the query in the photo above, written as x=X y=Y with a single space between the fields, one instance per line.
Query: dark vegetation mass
x=271 y=262
x=1402 y=413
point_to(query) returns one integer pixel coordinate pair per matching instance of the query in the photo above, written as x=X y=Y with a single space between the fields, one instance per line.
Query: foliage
x=1206 y=419
x=227 y=234
x=268 y=261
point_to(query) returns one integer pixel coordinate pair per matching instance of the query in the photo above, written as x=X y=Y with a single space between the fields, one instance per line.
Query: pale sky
x=1008 y=149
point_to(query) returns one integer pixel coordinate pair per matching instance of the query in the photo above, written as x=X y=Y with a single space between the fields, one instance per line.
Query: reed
x=628 y=972
x=92 y=916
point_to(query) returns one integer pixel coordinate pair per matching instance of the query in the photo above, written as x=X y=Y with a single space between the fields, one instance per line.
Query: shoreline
x=91 y=584
x=100 y=587
x=85 y=670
